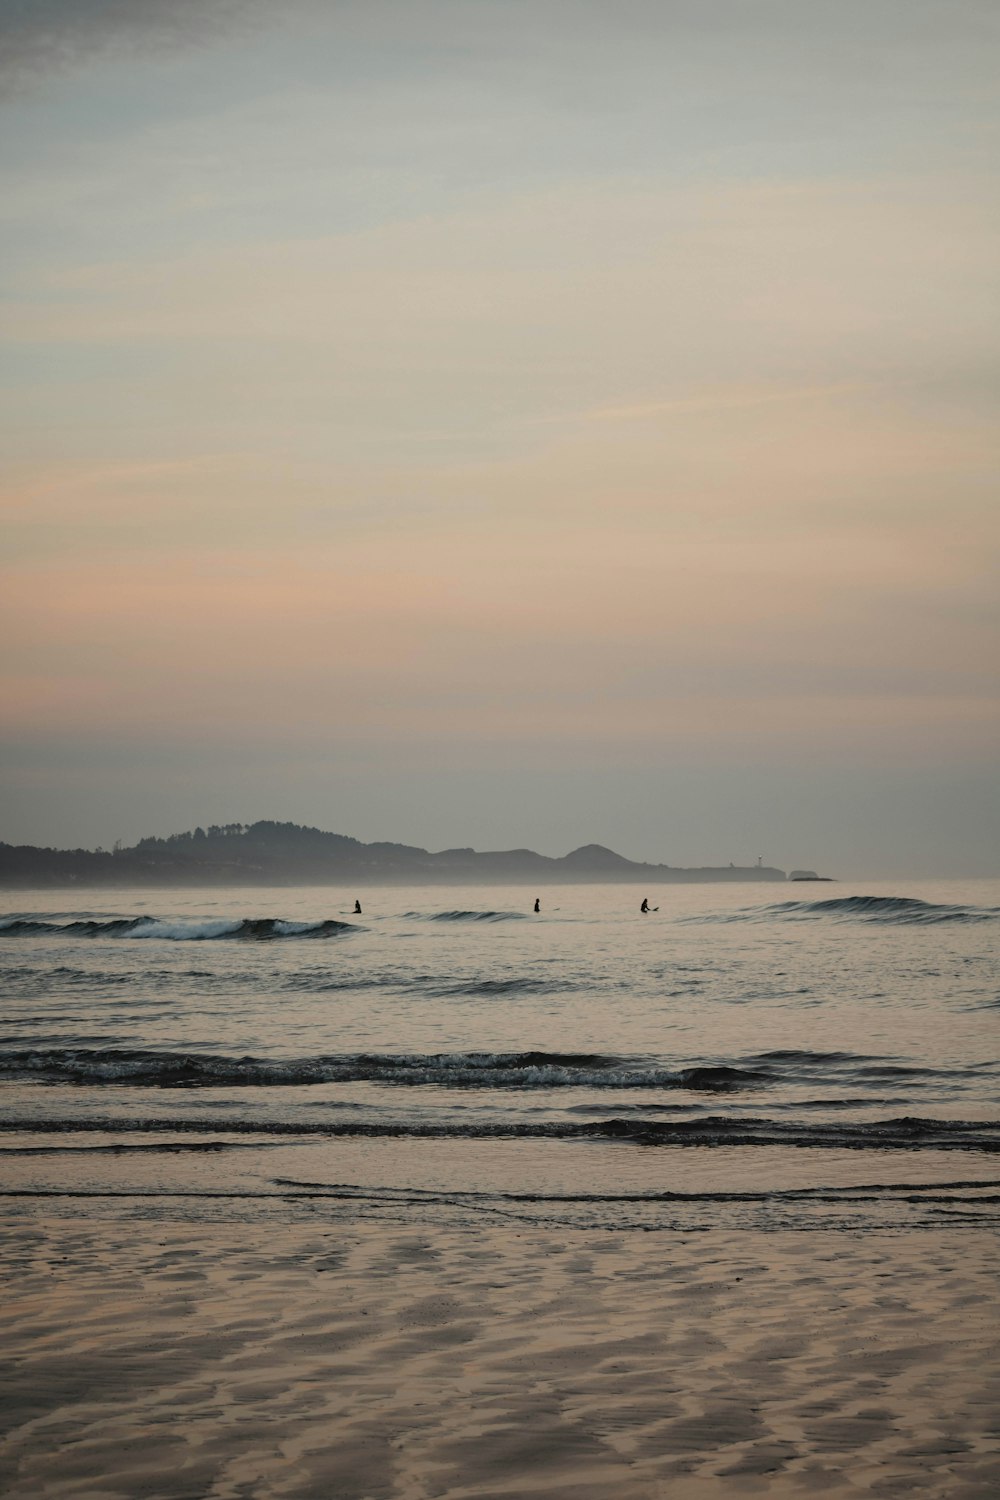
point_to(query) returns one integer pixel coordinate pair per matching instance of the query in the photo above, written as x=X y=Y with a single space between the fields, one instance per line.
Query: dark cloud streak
x=39 y=38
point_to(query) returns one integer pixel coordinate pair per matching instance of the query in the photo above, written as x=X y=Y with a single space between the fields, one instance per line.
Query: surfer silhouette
x=538 y=904
x=645 y=905
x=357 y=908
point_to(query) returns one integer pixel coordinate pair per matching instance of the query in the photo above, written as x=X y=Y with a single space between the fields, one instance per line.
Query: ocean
x=804 y=1056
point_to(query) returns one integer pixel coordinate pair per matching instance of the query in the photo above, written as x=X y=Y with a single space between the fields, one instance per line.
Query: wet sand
x=361 y=1361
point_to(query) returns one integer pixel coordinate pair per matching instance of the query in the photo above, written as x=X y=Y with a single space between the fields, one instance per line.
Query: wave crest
x=248 y=929
x=459 y=1070
x=465 y=916
x=893 y=1133
x=901 y=910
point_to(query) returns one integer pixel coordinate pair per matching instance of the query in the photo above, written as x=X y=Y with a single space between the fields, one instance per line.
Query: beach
x=460 y=1200
x=355 y=1361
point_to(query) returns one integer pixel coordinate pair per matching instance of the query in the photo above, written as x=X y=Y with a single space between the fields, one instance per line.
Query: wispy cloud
x=523 y=384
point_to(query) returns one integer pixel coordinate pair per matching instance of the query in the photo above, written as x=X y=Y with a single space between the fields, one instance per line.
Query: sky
x=504 y=423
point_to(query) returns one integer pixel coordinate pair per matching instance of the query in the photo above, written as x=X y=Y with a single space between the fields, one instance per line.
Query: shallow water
x=799 y=1056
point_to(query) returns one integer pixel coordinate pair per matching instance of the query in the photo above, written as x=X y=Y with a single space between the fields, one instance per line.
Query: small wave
x=803 y=1055
x=123 y=1148
x=904 y=1133
x=896 y=909
x=460 y=1070
x=63 y=976
x=908 y=1132
x=248 y=929
x=899 y=910
x=977 y=1188
x=722 y=1077
x=488 y=988
x=465 y=916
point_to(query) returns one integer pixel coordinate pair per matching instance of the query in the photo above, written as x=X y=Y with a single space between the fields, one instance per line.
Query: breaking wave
x=459 y=1070
x=478 y=1070
x=249 y=929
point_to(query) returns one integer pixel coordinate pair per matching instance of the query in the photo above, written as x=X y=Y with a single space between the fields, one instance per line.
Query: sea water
x=803 y=1055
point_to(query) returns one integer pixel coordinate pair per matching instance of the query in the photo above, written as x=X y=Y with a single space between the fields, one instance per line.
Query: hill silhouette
x=269 y=853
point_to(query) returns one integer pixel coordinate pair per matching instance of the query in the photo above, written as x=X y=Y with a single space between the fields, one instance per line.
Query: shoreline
x=379 y=1361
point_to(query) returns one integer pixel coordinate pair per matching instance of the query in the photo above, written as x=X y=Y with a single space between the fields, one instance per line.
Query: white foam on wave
x=184 y=931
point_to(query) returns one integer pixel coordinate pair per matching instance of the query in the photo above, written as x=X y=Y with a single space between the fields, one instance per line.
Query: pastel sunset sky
x=505 y=422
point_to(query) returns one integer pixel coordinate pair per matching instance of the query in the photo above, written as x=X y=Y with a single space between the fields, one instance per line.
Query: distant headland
x=287 y=854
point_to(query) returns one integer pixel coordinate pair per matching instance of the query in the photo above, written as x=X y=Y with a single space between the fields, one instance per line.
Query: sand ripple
x=365 y=1361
